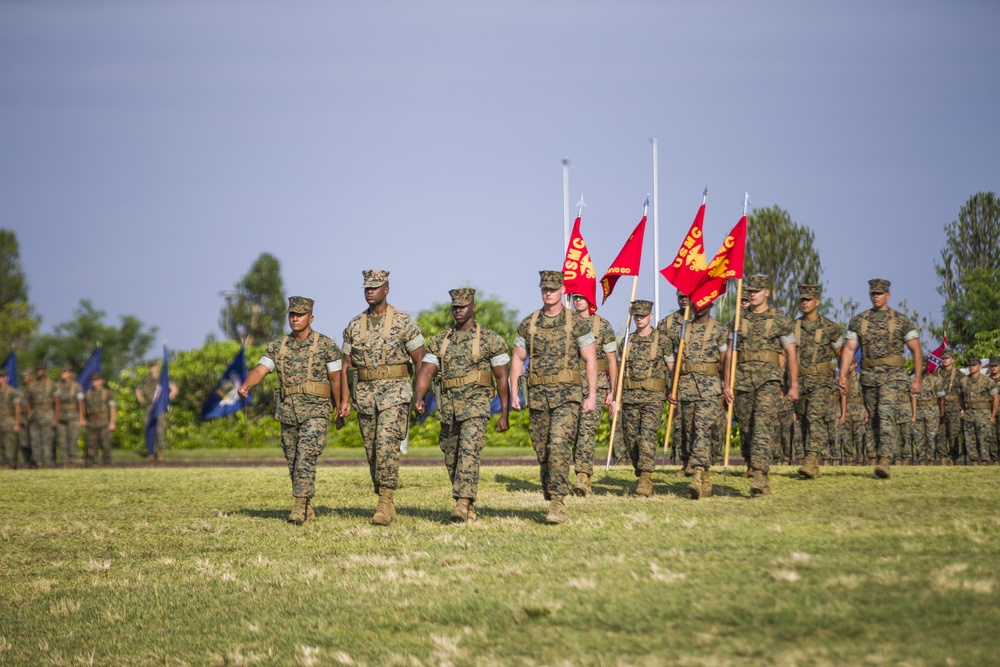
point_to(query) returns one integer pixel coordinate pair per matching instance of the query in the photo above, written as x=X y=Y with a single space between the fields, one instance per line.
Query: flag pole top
x=565 y=161
x=580 y=205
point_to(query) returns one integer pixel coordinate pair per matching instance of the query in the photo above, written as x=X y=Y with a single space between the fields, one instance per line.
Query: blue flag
x=86 y=377
x=430 y=405
x=223 y=400
x=10 y=367
x=161 y=401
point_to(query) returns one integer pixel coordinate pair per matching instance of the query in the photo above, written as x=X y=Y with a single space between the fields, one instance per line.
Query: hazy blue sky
x=150 y=151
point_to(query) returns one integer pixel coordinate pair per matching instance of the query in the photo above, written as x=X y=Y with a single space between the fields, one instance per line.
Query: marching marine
x=949 y=444
x=71 y=417
x=43 y=416
x=980 y=396
x=467 y=358
x=928 y=412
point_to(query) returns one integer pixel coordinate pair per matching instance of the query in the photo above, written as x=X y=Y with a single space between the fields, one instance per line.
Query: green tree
x=970 y=263
x=987 y=344
x=785 y=251
x=257 y=311
x=490 y=312
x=18 y=323
x=74 y=341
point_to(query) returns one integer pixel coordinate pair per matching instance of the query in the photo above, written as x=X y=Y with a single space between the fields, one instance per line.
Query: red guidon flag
x=688 y=268
x=727 y=265
x=627 y=262
x=578 y=269
x=934 y=358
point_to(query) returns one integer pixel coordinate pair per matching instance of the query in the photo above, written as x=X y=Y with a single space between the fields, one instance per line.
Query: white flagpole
x=565 y=164
x=656 y=231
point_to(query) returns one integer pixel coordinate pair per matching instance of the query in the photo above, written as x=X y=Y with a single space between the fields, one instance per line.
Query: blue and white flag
x=161 y=401
x=223 y=400
x=86 y=377
x=10 y=367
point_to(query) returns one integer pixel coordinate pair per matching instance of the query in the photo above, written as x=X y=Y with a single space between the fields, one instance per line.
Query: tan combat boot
x=706 y=484
x=582 y=486
x=645 y=485
x=385 y=511
x=298 y=513
x=882 y=467
x=759 y=486
x=810 y=467
x=310 y=514
x=473 y=517
x=697 y=481
x=557 y=511
x=461 y=512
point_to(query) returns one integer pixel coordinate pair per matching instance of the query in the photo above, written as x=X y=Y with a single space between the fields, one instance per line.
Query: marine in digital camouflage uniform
x=145 y=393
x=644 y=393
x=784 y=445
x=995 y=376
x=859 y=444
x=818 y=343
x=380 y=344
x=764 y=334
x=308 y=365
x=101 y=413
x=24 y=432
x=606 y=347
x=928 y=411
x=556 y=339
x=699 y=390
x=883 y=333
x=70 y=417
x=10 y=420
x=949 y=437
x=979 y=411
x=43 y=417
x=904 y=454
x=670 y=328
x=467 y=358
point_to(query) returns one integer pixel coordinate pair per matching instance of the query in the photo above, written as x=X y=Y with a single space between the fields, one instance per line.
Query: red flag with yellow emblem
x=627 y=262
x=688 y=267
x=578 y=269
x=727 y=265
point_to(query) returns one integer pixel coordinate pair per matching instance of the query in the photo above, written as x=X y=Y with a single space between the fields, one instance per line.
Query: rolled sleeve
x=911 y=335
x=500 y=360
x=415 y=343
x=267 y=363
x=610 y=347
x=334 y=366
x=520 y=343
x=345 y=348
x=851 y=335
x=787 y=340
x=431 y=359
x=585 y=340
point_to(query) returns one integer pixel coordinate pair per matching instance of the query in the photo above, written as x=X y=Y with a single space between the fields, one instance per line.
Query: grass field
x=169 y=566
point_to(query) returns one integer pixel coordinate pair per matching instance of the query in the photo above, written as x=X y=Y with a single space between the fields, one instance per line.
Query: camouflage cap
x=67 y=367
x=96 y=376
x=757 y=282
x=375 y=277
x=947 y=354
x=462 y=296
x=995 y=361
x=300 y=305
x=550 y=279
x=642 y=308
x=809 y=291
x=42 y=366
x=680 y=293
x=973 y=360
x=878 y=286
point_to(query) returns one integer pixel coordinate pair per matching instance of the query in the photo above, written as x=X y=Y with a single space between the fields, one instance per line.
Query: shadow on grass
x=518 y=484
x=265 y=513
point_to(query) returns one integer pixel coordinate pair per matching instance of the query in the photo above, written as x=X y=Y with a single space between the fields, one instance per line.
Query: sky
x=149 y=152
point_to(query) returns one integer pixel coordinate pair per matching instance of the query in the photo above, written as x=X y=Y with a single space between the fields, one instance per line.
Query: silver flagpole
x=656 y=231
x=565 y=164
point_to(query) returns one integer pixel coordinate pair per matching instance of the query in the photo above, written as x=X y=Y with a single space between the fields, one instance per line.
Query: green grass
x=224 y=455
x=172 y=566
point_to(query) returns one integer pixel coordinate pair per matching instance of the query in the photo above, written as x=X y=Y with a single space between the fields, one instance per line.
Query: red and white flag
x=578 y=269
x=934 y=357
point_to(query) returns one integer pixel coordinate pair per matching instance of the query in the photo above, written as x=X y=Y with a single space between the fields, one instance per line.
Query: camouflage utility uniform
x=149 y=386
x=586 y=438
x=644 y=393
x=818 y=405
x=758 y=383
x=42 y=397
x=97 y=404
x=379 y=348
x=465 y=361
x=555 y=391
x=978 y=415
x=10 y=399
x=669 y=328
x=928 y=418
x=995 y=376
x=68 y=429
x=883 y=334
x=304 y=402
x=949 y=436
x=859 y=445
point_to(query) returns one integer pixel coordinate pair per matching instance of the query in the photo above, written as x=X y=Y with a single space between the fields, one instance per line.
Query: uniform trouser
x=818 y=411
x=642 y=421
x=886 y=404
x=906 y=436
x=98 y=442
x=784 y=444
x=382 y=431
x=43 y=438
x=24 y=444
x=719 y=437
x=68 y=441
x=586 y=436
x=701 y=425
x=302 y=444
x=949 y=433
x=757 y=413
x=8 y=446
x=462 y=442
x=995 y=446
x=856 y=436
x=978 y=434
x=682 y=446
x=161 y=434
x=925 y=432
x=553 y=432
